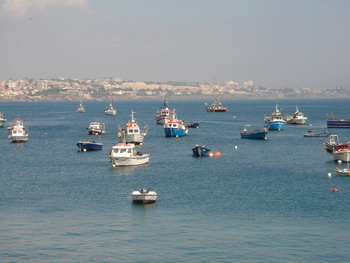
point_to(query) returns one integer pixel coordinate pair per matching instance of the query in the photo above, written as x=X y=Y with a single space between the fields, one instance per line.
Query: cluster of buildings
x=104 y=88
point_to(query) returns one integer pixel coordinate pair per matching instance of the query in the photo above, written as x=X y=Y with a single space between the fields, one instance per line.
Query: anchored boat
x=125 y=154
x=132 y=132
x=144 y=196
x=249 y=133
x=275 y=121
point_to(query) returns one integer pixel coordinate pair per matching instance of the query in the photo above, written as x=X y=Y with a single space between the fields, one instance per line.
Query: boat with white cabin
x=297 y=118
x=164 y=113
x=125 y=154
x=132 y=133
x=96 y=128
x=18 y=132
x=275 y=121
x=175 y=127
x=144 y=196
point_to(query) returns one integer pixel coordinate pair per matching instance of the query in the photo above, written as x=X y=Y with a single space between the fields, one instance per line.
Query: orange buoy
x=217 y=154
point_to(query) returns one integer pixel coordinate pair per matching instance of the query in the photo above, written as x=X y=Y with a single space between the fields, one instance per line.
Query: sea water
x=260 y=201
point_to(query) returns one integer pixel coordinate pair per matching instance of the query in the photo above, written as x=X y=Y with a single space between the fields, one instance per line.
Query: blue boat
x=199 y=150
x=249 y=133
x=335 y=122
x=275 y=121
x=175 y=127
x=84 y=146
x=313 y=133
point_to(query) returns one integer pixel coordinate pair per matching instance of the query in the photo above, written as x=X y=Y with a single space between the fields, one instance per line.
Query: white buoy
x=329 y=174
x=84 y=150
x=339 y=161
x=236 y=147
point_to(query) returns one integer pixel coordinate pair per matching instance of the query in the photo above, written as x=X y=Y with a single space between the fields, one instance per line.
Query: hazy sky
x=275 y=43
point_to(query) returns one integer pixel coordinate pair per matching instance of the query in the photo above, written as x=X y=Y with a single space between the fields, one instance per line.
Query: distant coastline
x=67 y=89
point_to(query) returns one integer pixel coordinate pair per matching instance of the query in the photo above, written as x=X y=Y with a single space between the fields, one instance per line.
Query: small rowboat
x=343 y=172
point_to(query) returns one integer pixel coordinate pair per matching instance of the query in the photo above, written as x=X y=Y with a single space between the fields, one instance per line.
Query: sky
x=275 y=43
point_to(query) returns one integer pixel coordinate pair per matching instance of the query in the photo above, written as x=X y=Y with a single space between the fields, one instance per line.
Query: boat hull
x=16 y=139
x=342 y=155
x=133 y=138
x=89 y=146
x=175 y=132
x=276 y=125
x=144 y=198
x=316 y=134
x=338 y=124
x=261 y=135
x=119 y=161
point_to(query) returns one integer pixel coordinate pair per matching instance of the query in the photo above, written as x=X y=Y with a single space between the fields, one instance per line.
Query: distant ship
x=335 y=122
x=216 y=107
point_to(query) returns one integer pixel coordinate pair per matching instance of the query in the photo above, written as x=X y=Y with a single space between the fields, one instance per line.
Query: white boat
x=144 y=196
x=2 y=119
x=110 y=110
x=18 y=134
x=96 y=128
x=132 y=132
x=125 y=154
x=81 y=108
x=341 y=155
x=297 y=118
x=164 y=114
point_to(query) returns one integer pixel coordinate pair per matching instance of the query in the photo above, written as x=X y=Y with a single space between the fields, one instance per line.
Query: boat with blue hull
x=275 y=121
x=84 y=146
x=335 y=122
x=175 y=127
x=313 y=133
x=249 y=133
x=201 y=150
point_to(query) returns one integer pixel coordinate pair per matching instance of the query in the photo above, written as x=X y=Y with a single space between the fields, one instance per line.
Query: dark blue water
x=266 y=201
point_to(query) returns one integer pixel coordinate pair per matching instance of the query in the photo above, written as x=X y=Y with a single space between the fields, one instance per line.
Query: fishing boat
x=216 y=106
x=335 y=122
x=84 y=146
x=81 y=108
x=275 y=121
x=343 y=172
x=18 y=131
x=175 y=127
x=125 y=154
x=18 y=134
x=342 y=155
x=332 y=144
x=110 y=110
x=249 y=133
x=313 y=133
x=201 y=150
x=2 y=119
x=297 y=118
x=144 y=196
x=96 y=128
x=164 y=113
x=132 y=132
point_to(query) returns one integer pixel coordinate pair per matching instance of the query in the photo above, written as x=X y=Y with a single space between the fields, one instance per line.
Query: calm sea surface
x=262 y=201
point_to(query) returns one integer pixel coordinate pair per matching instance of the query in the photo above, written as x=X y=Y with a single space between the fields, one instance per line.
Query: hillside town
x=69 y=89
